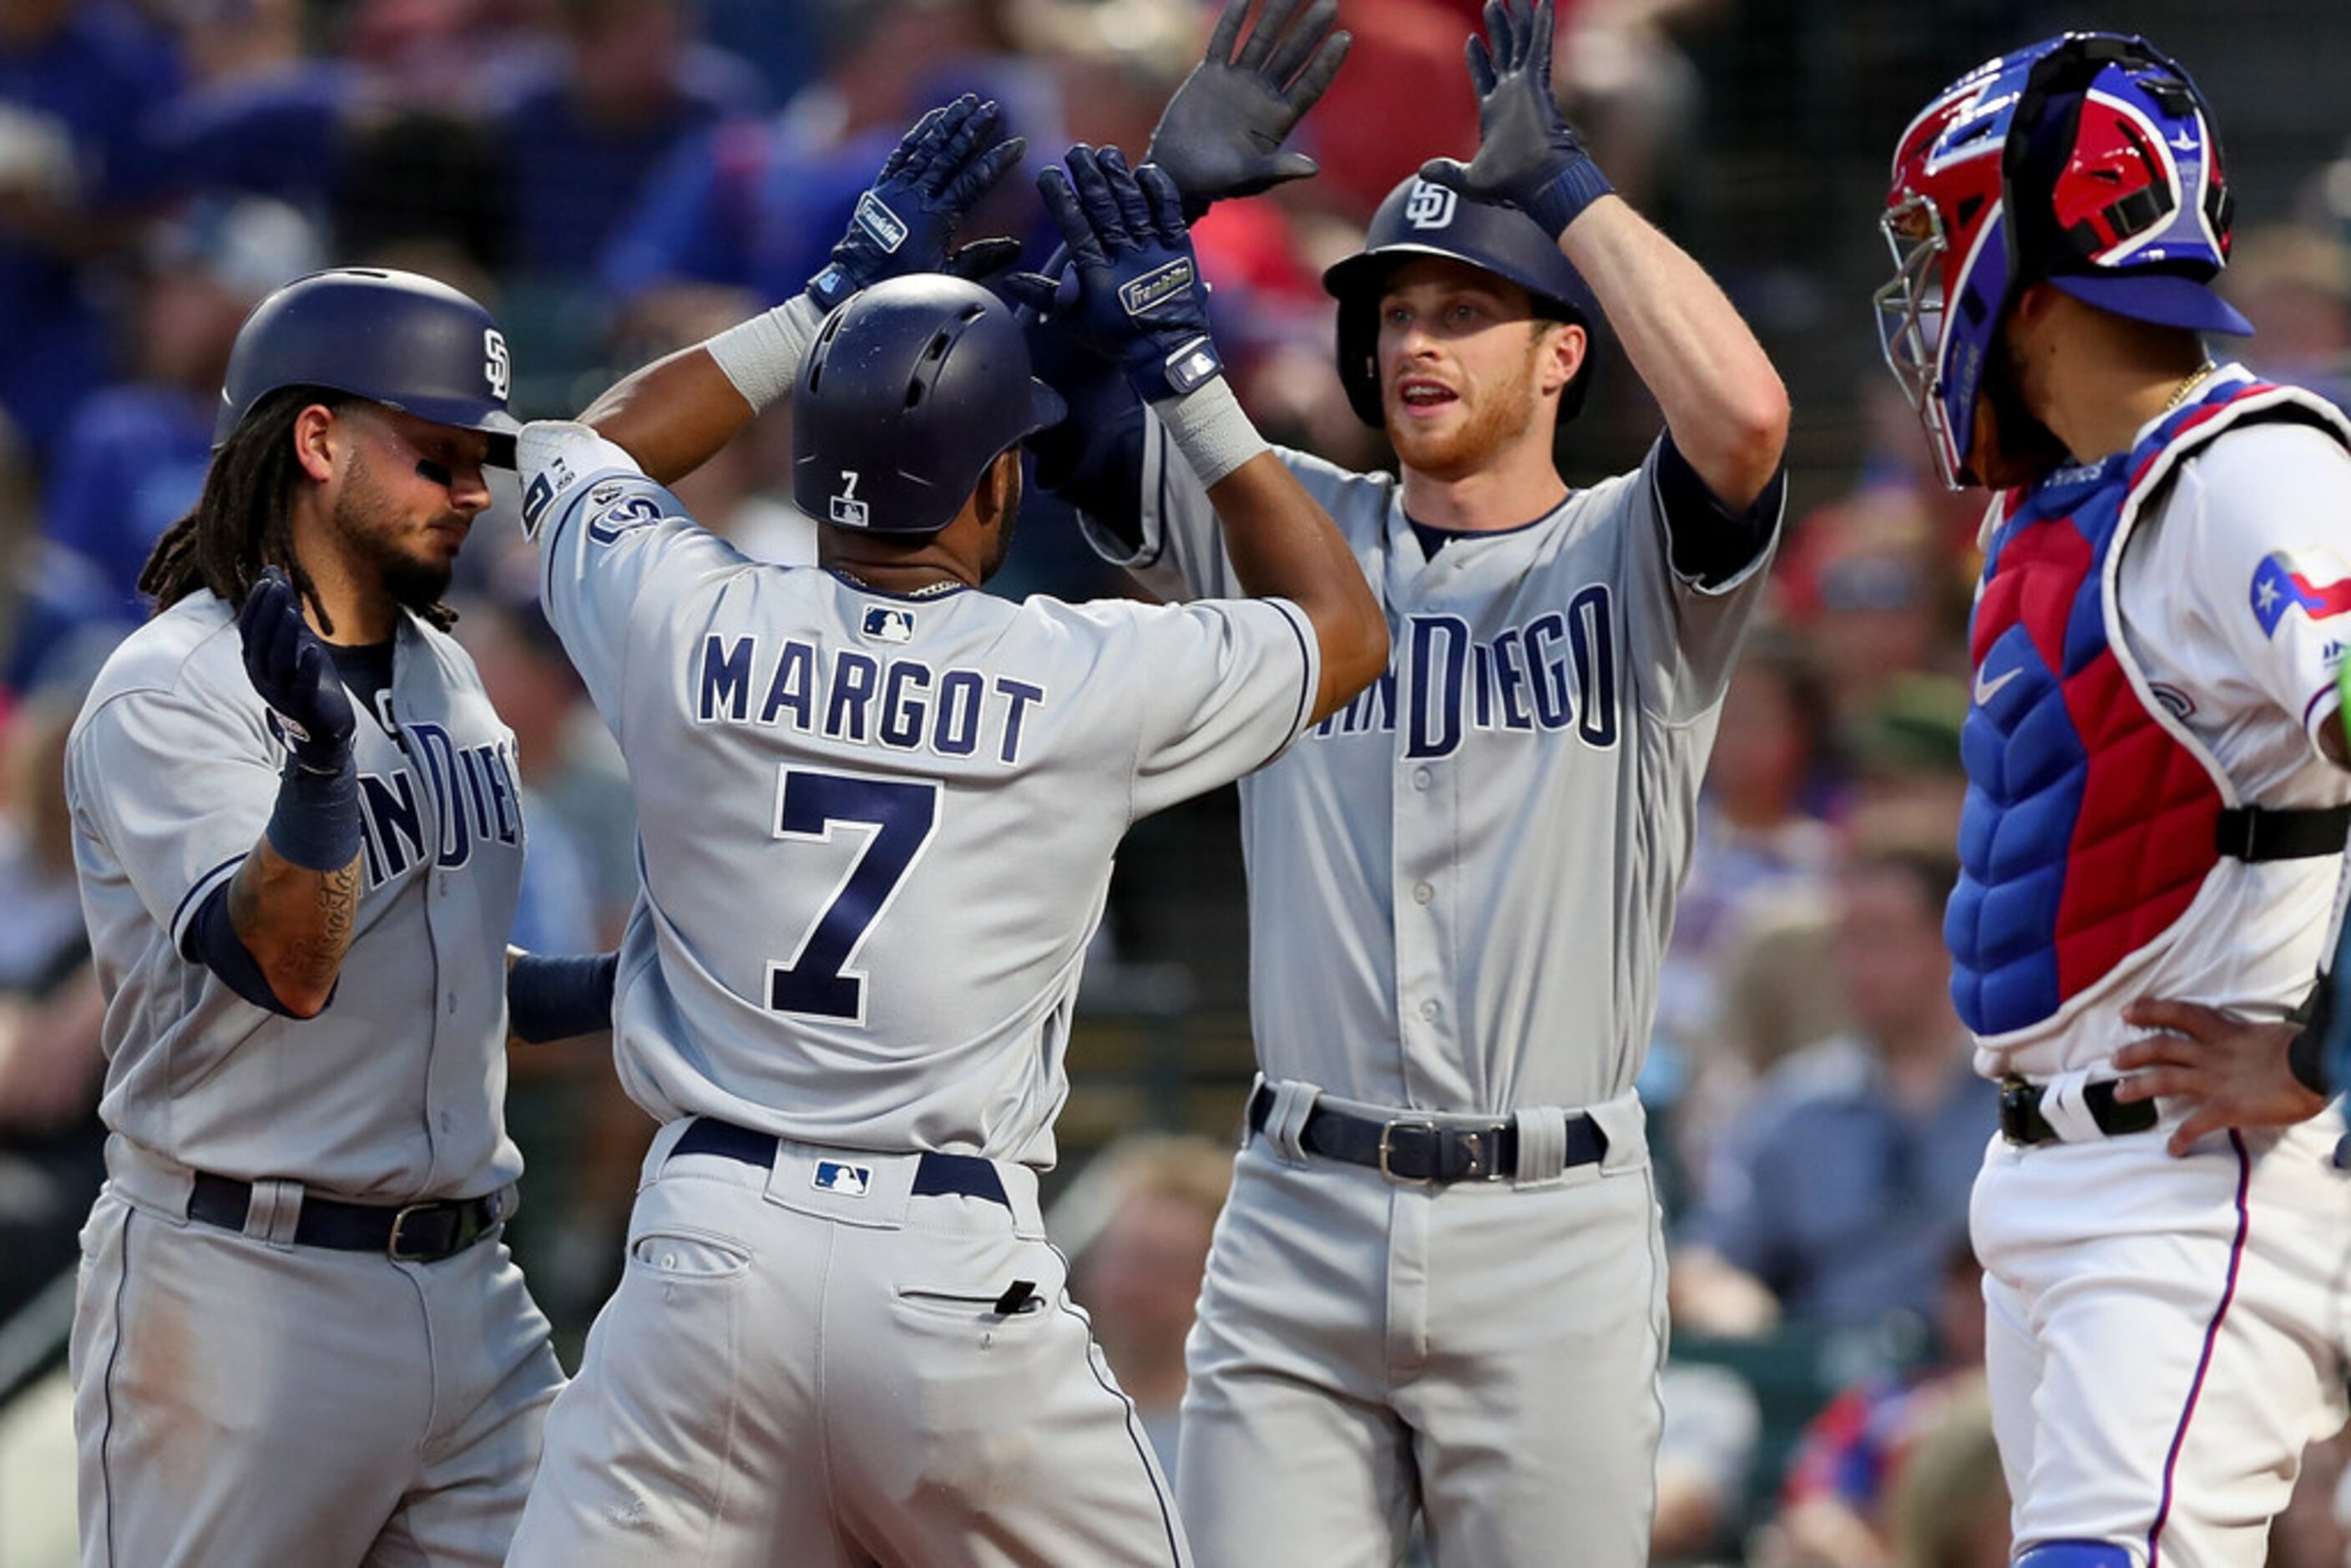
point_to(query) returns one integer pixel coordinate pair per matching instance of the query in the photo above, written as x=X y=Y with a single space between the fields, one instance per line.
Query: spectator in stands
x=1760 y=848
x=1136 y=1225
x=1836 y=1506
x=76 y=77
x=1834 y=1198
x=1759 y=826
x=1712 y=1421
x=585 y=124
x=1864 y=581
x=132 y=458
x=756 y=204
x=51 y=1142
x=2293 y=282
x=1950 y=1506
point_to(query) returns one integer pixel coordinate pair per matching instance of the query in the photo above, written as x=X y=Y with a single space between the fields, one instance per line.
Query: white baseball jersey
x=2165 y=1335
x=2250 y=673
x=394 y=1092
x=1461 y=885
x=876 y=830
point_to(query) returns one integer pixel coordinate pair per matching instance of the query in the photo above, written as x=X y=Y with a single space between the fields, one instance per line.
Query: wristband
x=1211 y=430
x=315 y=824
x=762 y=356
x=1562 y=200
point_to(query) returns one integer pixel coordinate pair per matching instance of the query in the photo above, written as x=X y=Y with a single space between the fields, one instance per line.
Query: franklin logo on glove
x=880 y=221
x=1172 y=281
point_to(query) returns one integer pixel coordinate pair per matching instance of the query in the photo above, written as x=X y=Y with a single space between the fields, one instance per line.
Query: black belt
x=2021 y=1121
x=2292 y=833
x=936 y=1175
x=1411 y=1149
x=413 y=1233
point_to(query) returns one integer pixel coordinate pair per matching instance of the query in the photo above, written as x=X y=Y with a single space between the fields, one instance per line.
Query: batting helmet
x=2088 y=160
x=1419 y=218
x=392 y=338
x=913 y=387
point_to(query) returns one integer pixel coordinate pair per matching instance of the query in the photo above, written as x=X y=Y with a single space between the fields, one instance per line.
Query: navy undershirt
x=212 y=939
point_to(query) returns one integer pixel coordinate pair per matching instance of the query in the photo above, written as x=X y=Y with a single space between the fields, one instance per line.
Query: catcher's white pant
x=808 y=1364
x=2164 y=1335
x=238 y=1400
x=1488 y=1353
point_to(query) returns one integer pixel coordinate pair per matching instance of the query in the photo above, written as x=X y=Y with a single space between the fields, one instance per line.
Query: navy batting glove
x=295 y=674
x=1528 y=154
x=1221 y=134
x=906 y=223
x=1132 y=292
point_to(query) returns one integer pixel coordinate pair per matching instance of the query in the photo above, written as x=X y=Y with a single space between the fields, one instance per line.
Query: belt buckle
x=395 y=1246
x=1388 y=1147
x=2016 y=1107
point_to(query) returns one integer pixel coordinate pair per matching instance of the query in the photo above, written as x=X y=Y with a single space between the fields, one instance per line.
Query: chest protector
x=2094 y=817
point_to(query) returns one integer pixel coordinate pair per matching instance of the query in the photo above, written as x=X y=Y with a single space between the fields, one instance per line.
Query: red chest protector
x=2093 y=818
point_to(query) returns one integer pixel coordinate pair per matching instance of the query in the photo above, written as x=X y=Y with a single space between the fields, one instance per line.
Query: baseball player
x=1439 y=1284
x=877 y=811
x=2156 y=802
x=298 y=1338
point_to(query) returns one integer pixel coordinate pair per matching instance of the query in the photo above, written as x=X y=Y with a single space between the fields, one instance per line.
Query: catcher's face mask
x=2087 y=160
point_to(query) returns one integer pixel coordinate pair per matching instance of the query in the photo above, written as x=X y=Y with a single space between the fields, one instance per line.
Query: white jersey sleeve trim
x=1311 y=653
x=194 y=900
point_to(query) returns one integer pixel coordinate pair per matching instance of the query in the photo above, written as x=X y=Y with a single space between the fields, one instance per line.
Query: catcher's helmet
x=913 y=387
x=1421 y=217
x=392 y=338
x=2088 y=160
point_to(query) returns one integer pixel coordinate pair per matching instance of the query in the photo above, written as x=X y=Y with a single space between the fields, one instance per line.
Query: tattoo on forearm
x=338 y=907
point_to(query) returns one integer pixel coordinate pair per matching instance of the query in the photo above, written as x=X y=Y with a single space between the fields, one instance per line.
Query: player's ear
x=316 y=433
x=1559 y=348
x=998 y=495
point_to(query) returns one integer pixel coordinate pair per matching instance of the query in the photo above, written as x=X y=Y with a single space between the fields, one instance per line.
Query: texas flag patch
x=2283 y=583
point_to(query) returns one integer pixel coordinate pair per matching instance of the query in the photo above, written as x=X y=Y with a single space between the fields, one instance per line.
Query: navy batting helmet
x=912 y=389
x=392 y=338
x=1420 y=218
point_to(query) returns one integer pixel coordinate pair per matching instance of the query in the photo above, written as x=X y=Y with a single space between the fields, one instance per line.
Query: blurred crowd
x=617 y=178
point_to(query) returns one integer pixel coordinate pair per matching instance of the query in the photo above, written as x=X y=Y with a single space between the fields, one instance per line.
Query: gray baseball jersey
x=1460 y=887
x=393 y=1093
x=876 y=832
x=373 y=1405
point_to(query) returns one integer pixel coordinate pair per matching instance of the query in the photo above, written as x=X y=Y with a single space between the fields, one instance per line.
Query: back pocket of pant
x=678 y=1255
x=966 y=1305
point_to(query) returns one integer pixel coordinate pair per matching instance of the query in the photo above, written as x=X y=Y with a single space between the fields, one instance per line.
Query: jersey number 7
x=816 y=981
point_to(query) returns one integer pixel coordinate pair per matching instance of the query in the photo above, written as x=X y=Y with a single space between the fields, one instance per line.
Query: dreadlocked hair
x=243 y=521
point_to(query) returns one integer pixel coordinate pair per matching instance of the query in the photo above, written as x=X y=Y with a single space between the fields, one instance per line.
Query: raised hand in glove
x=295 y=674
x=1221 y=134
x=1138 y=298
x=906 y=222
x=1528 y=154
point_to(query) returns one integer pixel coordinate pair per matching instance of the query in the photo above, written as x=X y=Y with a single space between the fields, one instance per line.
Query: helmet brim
x=2157 y=299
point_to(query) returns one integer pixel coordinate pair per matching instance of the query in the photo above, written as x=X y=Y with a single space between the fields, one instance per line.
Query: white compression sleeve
x=762 y=356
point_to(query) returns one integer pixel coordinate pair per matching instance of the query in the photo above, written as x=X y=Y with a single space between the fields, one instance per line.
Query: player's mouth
x=1423 y=396
x=451 y=530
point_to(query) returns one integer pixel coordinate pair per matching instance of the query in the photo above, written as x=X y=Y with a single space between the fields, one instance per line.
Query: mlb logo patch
x=2285 y=583
x=1430 y=205
x=887 y=625
x=838 y=1175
